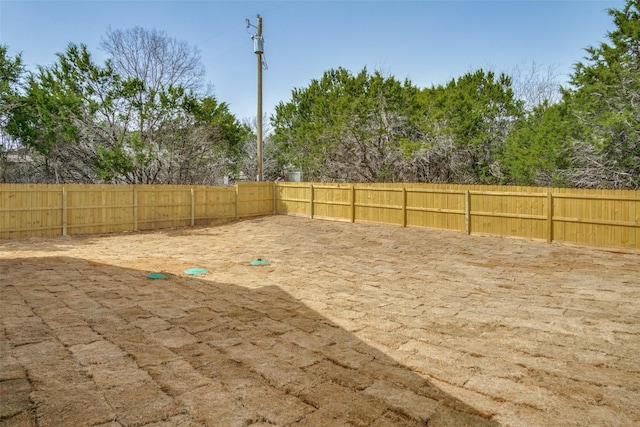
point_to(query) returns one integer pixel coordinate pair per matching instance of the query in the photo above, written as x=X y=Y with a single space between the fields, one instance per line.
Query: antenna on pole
x=258 y=49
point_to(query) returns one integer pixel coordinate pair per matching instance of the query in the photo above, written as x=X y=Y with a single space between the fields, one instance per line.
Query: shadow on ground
x=84 y=343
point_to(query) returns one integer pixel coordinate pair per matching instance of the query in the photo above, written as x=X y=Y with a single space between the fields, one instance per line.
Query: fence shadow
x=85 y=343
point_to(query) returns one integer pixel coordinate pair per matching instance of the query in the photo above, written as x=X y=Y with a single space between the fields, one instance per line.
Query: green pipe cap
x=195 y=271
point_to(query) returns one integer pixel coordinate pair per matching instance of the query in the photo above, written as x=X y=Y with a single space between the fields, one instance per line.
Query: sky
x=428 y=42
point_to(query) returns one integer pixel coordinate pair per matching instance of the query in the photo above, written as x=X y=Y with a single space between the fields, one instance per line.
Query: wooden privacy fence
x=32 y=210
x=599 y=217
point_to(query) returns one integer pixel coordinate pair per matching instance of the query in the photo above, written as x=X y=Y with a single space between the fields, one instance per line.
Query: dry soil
x=348 y=324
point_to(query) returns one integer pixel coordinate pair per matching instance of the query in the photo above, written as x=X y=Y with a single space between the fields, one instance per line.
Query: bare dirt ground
x=348 y=324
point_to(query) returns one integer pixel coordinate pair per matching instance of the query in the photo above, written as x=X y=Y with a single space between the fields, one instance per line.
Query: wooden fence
x=33 y=210
x=598 y=217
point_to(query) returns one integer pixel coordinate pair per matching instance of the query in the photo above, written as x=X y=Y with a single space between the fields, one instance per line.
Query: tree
x=154 y=58
x=535 y=151
x=466 y=124
x=348 y=127
x=535 y=87
x=45 y=119
x=208 y=144
x=248 y=162
x=605 y=96
x=85 y=119
x=11 y=75
x=165 y=69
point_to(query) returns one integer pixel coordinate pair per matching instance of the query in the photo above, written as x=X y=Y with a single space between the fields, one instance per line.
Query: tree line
x=144 y=117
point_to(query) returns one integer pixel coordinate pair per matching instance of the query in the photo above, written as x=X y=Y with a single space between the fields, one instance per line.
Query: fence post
x=353 y=203
x=467 y=212
x=404 y=206
x=193 y=208
x=135 y=208
x=311 y=200
x=273 y=197
x=549 y=217
x=64 y=211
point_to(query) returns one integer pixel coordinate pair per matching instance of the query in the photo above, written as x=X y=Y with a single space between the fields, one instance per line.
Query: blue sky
x=428 y=42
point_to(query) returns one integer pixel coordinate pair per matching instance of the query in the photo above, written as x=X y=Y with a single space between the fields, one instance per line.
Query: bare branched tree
x=248 y=164
x=444 y=161
x=535 y=85
x=592 y=168
x=154 y=58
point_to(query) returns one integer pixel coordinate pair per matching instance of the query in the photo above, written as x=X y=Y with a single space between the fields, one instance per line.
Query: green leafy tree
x=467 y=121
x=73 y=115
x=206 y=144
x=11 y=80
x=606 y=99
x=348 y=127
x=535 y=151
x=45 y=118
x=11 y=75
x=93 y=125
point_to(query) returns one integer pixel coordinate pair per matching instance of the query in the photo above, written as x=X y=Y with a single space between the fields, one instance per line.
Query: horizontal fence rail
x=598 y=217
x=33 y=210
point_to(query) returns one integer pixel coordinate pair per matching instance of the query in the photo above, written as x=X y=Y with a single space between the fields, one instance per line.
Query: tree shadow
x=90 y=343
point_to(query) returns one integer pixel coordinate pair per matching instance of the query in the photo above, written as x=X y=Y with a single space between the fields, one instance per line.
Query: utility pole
x=258 y=48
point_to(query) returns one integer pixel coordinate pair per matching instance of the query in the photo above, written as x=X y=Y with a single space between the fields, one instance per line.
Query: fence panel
x=254 y=199
x=98 y=209
x=379 y=204
x=610 y=218
x=332 y=201
x=506 y=213
x=30 y=210
x=214 y=205
x=163 y=206
x=436 y=208
x=293 y=198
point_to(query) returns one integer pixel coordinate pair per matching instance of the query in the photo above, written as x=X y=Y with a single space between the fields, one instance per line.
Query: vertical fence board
x=634 y=217
x=616 y=233
x=558 y=212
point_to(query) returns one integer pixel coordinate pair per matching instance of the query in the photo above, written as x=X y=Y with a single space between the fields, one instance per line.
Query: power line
x=218 y=34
